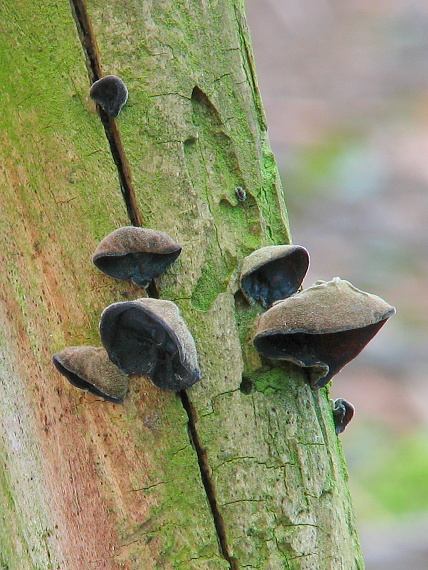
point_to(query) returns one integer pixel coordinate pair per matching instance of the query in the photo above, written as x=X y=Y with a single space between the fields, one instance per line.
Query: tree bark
x=243 y=470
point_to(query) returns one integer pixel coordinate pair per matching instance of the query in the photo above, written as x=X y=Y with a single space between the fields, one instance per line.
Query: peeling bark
x=243 y=470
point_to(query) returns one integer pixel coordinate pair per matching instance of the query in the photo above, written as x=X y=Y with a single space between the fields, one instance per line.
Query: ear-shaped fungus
x=273 y=273
x=343 y=412
x=139 y=254
x=111 y=93
x=90 y=369
x=149 y=337
x=322 y=328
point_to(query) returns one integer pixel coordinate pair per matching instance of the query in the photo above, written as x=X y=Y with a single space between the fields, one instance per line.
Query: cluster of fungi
x=319 y=329
x=142 y=337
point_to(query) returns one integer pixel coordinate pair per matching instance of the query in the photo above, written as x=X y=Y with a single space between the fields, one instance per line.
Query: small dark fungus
x=240 y=194
x=149 y=337
x=89 y=368
x=322 y=328
x=274 y=272
x=139 y=254
x=343 y=412
x=111 y=93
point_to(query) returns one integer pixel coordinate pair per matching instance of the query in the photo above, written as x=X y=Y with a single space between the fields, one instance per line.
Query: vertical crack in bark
x=90 y=49
x=87 y=38
x=207 y=481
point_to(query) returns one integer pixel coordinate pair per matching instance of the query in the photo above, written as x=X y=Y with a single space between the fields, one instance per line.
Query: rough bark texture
x=88 y=484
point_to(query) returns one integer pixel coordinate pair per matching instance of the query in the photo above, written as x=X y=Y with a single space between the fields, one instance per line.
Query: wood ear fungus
x=139 y=254
x=273 y=273
x=343 y=412
x=90 y=369
x=111 y=93
x=322 y=328
x=149 y=337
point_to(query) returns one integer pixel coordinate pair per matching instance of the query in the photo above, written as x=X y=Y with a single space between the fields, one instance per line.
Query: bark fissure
x=208 y=482
x=89 y=45
x=93 y=65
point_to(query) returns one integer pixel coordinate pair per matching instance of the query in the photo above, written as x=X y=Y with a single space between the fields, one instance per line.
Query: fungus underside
x=331 y=351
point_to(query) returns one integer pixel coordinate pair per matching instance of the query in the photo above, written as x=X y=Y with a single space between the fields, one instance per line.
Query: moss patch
x=214 y=279
x=272 y=381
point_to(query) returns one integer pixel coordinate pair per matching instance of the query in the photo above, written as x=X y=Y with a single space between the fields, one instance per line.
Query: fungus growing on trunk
x=274 y=272
x=139 y=254
x=149 y=337
x=111 y=93
x=322 y=328
x=240 y=194
x=343 y=412
x=89 y=368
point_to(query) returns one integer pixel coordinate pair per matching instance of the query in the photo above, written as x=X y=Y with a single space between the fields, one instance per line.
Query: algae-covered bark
x=85 y=483
x=120 y=486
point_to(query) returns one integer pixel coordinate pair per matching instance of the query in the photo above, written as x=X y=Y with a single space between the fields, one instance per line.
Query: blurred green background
x=345 y=89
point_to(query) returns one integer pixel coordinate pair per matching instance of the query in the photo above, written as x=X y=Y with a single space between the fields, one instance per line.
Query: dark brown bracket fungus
x=322 y=328
x=274 y=272
x=111 y=93
x=149 y=337
x=343 y=412
x=90 y=369
x=139 y=254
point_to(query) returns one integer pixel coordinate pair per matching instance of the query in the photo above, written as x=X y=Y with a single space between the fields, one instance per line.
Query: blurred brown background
x=345 y=89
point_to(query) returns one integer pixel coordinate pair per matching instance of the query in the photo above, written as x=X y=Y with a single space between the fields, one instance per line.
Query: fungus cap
x=322 y=328
x=89 y=368
x=111 y=93
x=273 y=272
x=343 y=413
x=149 y=337
x=139 y=254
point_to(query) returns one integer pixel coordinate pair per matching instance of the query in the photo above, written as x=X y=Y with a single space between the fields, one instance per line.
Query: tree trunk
x=244 y=469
